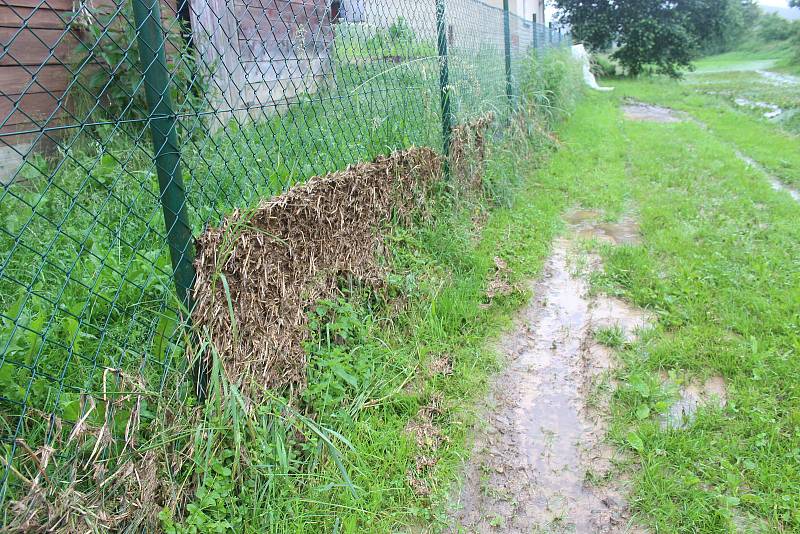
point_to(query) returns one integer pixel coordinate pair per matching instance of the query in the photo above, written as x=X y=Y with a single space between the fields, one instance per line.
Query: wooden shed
x=257 y=54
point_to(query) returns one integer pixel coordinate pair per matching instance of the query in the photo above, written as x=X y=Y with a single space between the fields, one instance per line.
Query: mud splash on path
x=533 y=465
x=639 y=111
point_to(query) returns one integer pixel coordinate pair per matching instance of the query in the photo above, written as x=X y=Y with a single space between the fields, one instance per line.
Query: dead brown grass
x=468 y=151
x=258 y=273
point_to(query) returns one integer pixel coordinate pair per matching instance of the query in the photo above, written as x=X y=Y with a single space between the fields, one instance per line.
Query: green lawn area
x=719 y=266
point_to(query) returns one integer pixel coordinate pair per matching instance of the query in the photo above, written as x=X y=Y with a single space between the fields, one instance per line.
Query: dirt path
x=533 y=467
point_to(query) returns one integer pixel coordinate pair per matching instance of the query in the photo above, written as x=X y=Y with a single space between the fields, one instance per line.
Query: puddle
x=587 y=226
x=692 y=396
x=533 y=466
x=779 y=79
x=772 y=110
x=646 y=112
x=774 y=182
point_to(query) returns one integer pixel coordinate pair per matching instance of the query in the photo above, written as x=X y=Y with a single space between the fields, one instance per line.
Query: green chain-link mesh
x=127 y=126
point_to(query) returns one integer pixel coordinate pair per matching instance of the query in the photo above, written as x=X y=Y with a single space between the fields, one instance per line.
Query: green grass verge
x=718 y=265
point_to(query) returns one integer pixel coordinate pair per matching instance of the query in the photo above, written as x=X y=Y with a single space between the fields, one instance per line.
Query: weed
x=610 y=336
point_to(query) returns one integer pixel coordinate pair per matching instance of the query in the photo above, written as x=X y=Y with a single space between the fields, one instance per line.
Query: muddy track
x=540 y=463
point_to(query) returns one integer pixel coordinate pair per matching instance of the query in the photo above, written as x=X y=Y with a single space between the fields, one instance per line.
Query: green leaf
x=344 y=375
x=635 y=441
x=643 y=411
x=661 y=406
x=640 y=386
x=72 y=411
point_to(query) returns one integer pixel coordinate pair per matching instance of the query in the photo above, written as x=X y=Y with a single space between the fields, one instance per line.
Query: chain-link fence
x=127 y=126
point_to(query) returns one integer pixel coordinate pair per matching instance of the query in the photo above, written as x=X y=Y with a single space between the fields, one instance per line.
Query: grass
x=754 y=54
x=772 y=145
x=718 y=267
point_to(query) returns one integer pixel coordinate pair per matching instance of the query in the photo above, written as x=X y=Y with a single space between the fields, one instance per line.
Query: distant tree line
x=664 y=36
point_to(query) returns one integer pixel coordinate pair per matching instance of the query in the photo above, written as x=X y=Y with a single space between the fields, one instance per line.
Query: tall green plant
x=109 y=73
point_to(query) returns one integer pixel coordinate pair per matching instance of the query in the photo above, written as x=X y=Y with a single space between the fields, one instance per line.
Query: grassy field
x=719 y=266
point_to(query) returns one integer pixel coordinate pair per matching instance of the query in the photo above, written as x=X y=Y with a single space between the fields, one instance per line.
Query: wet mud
x=638 y=111
x=540 y=462
x=690 y=397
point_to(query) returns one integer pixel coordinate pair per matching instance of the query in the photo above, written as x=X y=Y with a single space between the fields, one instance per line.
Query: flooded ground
x=538 y=463
x=779 y=79
x=770 y=111
x=638 y=111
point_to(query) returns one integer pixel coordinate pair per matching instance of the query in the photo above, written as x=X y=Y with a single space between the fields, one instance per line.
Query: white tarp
x=580 y=53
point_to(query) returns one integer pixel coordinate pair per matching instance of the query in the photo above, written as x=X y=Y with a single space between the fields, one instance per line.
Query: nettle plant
x=110 y=76
x=337 y=364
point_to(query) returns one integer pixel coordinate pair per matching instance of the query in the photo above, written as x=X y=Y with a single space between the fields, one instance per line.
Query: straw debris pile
x=260 y=271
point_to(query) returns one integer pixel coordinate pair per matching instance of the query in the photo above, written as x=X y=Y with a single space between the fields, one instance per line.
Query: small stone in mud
x=649 y=113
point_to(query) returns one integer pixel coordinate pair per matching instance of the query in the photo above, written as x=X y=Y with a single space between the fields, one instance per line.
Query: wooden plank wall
x=37 y=56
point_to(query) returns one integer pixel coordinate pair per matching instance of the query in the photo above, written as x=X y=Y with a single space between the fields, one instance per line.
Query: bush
x=773 y=27
x=603 y=66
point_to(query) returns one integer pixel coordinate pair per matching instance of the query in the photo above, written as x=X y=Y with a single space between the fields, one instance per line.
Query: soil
x=541 y=463
x=637 y=111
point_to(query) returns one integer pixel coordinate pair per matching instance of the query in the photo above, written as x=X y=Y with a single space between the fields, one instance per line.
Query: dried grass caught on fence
x=258 y=272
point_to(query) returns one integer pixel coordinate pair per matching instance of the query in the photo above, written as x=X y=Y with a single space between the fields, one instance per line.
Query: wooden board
x=62 y=5
x=15 y=79
x=30 y=107
x=14 y=17
x=32 y=47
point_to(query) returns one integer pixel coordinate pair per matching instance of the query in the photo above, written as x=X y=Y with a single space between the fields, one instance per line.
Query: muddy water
x=692 y=396
x=637 y=111
x=586 y=224
x=531 y=465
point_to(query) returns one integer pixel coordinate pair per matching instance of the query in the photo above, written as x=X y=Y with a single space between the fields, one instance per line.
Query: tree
x=773 y=27
x=666 y=34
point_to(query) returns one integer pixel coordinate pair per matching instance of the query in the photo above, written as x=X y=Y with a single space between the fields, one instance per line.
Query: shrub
x=773 y=27
x=603 y=66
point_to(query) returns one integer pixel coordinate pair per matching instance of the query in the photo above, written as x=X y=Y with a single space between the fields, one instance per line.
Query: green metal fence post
x=444 y=84
x=166 y=155
x=535 y=34
x=507 y=40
